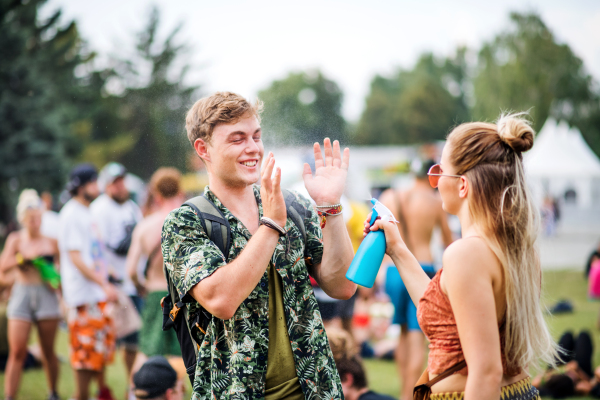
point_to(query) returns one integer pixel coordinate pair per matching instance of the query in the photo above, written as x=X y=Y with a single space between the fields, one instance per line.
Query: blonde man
x=265 y=337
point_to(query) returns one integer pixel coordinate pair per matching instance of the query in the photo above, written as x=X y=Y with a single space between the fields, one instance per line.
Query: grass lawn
x=382 y=374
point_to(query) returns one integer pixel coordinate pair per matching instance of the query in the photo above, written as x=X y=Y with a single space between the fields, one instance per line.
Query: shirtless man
x=419 y=210
x=165 y=187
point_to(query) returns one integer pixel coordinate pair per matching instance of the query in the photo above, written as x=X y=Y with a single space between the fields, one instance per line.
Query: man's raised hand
x=270 y=192
x=327 y=185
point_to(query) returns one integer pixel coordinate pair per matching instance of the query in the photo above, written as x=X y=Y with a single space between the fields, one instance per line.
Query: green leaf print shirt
x=232 y=360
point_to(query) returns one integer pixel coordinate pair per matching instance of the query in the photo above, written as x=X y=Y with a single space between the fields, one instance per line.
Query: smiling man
x=265 y=337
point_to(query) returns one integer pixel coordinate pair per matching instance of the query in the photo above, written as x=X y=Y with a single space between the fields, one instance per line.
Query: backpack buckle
x=173 y=313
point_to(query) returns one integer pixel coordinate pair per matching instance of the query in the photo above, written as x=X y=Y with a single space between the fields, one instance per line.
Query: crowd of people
x=110 y=267
x=260 y=274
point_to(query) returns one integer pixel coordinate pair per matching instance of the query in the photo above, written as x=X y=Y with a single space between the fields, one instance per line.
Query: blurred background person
x=419 y=211
x=157 y=380
x=49 y=216
x=350 y=367
x=115 y=216
x=85 y=285
x=32 y=301
x=165 y=189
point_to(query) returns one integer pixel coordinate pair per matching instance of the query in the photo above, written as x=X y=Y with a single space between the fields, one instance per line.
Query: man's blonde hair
x=219 y=108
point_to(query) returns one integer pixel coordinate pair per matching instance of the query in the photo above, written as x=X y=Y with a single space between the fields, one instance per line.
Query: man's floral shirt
x=232 y=360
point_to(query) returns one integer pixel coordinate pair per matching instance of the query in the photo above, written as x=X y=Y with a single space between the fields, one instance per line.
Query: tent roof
x=561 y=151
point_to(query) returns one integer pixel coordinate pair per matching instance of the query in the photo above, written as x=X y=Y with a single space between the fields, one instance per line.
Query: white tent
x=561 y=162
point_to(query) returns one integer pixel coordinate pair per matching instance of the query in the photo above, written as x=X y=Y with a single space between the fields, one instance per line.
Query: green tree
x=39 y=95
x=149 y=107
x=418 y=105
x=525 y=68
x=303 y=108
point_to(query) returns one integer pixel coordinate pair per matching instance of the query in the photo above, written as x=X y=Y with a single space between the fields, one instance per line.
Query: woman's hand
x=270 y=192
x=395 y=246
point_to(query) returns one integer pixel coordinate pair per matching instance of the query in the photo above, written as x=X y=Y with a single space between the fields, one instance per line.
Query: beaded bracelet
x=324 y=211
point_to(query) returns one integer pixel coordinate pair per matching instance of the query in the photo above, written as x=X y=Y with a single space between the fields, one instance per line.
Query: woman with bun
x=483 y=306
x=31 y=301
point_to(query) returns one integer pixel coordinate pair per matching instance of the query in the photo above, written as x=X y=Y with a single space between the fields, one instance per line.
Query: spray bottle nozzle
x=379 y=210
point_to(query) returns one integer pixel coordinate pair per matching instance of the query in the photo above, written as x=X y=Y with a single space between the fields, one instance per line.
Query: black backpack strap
x=295 y=211
x=213 y=222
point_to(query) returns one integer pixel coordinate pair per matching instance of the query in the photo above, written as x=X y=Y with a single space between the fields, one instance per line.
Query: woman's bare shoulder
x=468 y=256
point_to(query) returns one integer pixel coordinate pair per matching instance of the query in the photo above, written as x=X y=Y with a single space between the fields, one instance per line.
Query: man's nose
x=252 y=146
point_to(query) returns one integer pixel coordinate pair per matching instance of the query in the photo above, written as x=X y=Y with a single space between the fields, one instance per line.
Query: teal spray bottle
x=365 y=265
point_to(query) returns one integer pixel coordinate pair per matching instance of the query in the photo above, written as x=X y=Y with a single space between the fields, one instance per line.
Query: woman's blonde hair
x=28 y=200
x=490 y=157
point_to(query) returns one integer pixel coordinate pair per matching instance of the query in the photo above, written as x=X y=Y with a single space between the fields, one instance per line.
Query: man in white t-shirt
x=115 y=215
x=85 y=286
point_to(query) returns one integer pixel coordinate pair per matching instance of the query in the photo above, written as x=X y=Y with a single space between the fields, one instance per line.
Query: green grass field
x=382 y=374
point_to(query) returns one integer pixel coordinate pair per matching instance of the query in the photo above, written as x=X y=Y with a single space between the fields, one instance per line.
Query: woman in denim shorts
x=31 y=301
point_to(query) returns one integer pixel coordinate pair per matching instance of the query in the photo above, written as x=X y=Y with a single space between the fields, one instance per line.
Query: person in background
x=31 y=301
x=419 y=211
x=116 y=215
x=482 y=309
x=85 y=285
x=157 y=380
x=49 y=217
x=165 y=188
x=350 y=367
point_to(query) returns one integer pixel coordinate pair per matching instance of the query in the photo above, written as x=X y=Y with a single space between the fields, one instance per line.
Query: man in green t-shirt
x=266 y=336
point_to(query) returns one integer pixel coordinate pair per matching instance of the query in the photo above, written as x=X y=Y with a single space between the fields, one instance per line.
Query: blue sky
x=243 y=45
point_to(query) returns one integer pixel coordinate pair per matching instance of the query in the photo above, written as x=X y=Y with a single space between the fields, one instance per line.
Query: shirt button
x=262 y=284
x=262 y=358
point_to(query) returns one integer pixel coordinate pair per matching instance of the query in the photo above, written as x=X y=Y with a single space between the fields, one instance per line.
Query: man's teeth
x=249 y=163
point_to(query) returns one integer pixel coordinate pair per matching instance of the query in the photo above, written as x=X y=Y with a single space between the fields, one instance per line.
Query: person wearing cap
x=115 y=215
x=85 y=285
x=157 y=380
x=419 y=210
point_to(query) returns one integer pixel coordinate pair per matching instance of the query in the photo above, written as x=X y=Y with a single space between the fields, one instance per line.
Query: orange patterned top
x=436 y=318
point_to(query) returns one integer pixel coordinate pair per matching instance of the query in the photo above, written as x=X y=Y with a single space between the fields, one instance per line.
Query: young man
x=165 y=188
x=115 y=215
x=85 y=287
x=419 y=210
x=265 y=337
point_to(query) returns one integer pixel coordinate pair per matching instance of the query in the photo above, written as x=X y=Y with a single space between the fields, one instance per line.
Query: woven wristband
x=324 y=211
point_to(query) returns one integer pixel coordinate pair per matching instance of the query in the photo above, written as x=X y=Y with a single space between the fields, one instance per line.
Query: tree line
x=59 y=106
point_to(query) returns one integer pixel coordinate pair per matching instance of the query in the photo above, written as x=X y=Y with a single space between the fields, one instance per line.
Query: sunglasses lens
x=434 y=179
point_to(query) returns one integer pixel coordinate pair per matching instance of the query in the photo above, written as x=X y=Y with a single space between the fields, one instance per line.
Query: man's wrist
x=324 y=202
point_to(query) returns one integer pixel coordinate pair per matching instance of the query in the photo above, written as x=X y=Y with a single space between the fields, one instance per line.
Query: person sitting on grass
x=350 y=367
x=573 y=374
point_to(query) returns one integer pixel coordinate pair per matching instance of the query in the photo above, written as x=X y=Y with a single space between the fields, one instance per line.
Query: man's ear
x=201 y=148
x=347 y=379
x=463 y=188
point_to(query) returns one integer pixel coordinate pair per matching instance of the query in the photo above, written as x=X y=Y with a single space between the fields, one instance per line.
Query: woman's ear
x=463 y=188
x=201 y=148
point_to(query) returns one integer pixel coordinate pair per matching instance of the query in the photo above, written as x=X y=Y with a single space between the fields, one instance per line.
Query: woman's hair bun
x=516 y=131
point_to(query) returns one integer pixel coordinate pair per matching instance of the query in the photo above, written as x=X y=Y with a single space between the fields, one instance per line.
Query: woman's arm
x=468 y=280
x=56 y=254
x=8 y=258
x=413 y=276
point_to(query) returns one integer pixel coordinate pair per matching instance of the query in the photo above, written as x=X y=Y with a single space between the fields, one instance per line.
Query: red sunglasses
x=435 y=175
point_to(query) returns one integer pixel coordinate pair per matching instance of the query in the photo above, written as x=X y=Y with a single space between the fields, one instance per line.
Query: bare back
x=420 y=210
x=150 y=231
